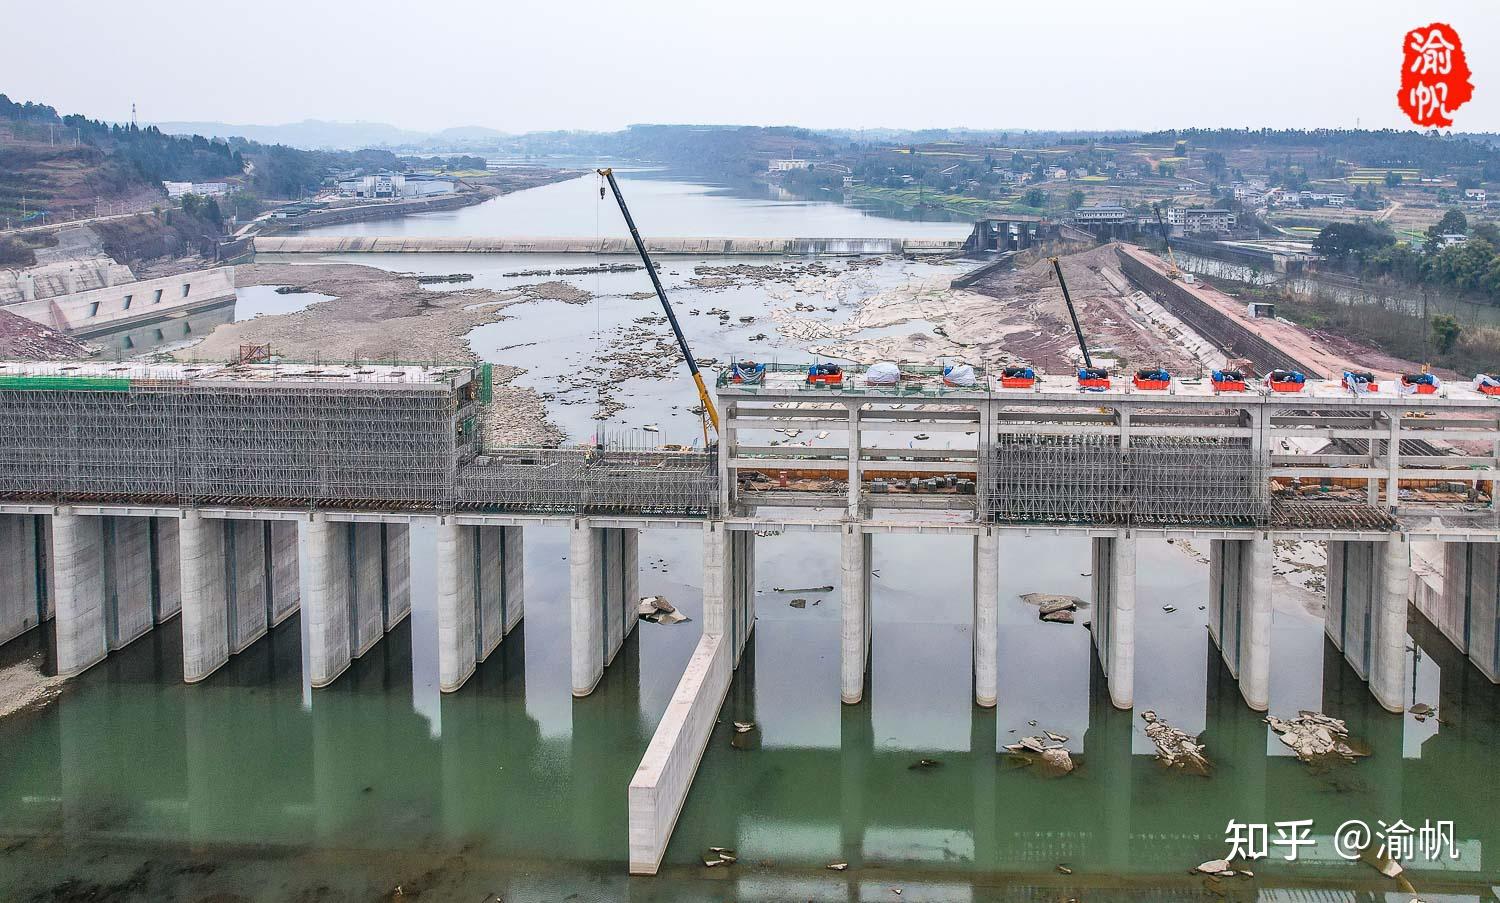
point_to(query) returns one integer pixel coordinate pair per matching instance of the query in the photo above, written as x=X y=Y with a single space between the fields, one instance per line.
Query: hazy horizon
x=873 y=65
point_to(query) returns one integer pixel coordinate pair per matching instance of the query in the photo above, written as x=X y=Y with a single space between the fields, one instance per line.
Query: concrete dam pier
x=697 y=247
x=232 y=496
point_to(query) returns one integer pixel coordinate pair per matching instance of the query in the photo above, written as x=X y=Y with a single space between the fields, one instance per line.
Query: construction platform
x=403 y=439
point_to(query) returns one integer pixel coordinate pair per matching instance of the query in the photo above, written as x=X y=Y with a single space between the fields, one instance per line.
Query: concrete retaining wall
x=1212 y=324
x=103 y=309
x=799 y=247
x=665 y=775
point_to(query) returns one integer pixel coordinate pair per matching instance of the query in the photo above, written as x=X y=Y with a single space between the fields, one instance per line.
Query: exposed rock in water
x=658 y=610
x=1057 y=760
x=1058 y=604
x=1175 y=748
x=555 y=291
x=1046 y=752
x=1316 y=738
x=1053 y=601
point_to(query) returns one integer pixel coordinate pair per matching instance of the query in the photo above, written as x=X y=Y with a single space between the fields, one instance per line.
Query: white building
x=395 y=185
x=1249 y=195
x=787 y=165
x=1207 y=221
x=1057 y=174
x=211 y=189
x=1475 y=195
x=1108 y=214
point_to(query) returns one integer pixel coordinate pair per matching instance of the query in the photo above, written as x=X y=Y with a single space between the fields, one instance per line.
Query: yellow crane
x=1166 y=238
x=704 y=398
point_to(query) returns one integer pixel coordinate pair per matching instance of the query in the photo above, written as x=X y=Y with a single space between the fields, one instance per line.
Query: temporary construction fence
x=1156 y=481
x=591 y=480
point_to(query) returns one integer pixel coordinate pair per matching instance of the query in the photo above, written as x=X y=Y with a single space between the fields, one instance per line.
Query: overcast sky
x=581 y=64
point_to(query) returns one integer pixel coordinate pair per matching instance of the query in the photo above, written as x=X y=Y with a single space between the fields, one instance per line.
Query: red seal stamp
x=1434 y=75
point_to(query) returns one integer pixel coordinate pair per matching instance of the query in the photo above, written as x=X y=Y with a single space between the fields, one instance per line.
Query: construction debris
x=1175 y=748
x=658 y=610
x=1316 y=738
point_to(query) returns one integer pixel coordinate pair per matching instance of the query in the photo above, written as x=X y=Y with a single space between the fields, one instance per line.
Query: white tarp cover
x=883 y=374
x=960 y=375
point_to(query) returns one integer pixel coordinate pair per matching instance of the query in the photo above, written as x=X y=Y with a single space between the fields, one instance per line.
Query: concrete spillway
x=789 y=247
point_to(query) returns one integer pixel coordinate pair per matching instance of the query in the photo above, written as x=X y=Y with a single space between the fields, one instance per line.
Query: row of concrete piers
x=108 y=579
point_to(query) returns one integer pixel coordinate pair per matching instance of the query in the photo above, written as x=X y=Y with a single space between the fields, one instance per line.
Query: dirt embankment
x=376 y=315
x=23 y=339
x=1027 y=305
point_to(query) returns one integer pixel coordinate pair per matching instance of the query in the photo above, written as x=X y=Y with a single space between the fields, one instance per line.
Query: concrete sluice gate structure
x=233 y=496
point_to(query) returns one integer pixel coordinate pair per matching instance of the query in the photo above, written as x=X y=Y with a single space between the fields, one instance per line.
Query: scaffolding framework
x=188 y=441
x=1155 y=481
x=592 y=481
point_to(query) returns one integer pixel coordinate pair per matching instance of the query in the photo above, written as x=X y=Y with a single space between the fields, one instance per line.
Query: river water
x=253 y=786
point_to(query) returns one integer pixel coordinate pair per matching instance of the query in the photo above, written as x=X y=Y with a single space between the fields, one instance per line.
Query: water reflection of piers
x=242 y=759
x=1119 y=814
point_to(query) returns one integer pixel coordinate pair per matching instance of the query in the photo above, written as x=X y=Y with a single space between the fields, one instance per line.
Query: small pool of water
x=253 y=301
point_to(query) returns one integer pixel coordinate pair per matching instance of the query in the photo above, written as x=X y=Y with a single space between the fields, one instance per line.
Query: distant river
x=662 y=207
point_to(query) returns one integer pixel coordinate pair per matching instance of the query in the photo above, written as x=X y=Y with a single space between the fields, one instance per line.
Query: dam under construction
x=795 y=664
x=229 y=497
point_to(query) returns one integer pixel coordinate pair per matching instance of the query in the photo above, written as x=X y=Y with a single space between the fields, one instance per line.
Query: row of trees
x=1470 y=267
x=124 y=155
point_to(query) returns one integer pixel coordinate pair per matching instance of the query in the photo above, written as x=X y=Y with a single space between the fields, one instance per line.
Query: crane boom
x=661 y=294
x=1077 y=330
x=1166 y=239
